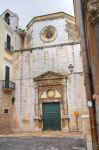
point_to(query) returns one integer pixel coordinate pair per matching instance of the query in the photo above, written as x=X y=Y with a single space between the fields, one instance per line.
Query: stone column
x=36 y=101
x=65 y=117
x=36 y=119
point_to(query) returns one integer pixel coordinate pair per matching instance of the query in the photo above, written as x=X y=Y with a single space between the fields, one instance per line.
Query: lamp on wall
x=71 y=67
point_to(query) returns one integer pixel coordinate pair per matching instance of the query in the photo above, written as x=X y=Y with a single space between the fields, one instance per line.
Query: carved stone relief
x=93 y=9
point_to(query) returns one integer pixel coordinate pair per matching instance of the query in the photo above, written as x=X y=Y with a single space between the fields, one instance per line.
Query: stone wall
x=6 y=121
x=5 y=124
x=30 y=64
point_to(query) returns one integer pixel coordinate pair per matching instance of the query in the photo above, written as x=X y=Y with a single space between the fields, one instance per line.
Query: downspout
x=87 y=75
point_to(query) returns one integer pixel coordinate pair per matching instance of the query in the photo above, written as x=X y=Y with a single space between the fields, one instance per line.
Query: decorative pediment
x=49 y=76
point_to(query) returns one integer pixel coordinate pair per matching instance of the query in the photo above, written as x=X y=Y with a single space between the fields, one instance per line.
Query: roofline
x=9 y=26
x=10 y=12
x=47 y=16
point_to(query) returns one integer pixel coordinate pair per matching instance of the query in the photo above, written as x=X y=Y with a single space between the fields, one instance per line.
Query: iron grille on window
x=8 y=47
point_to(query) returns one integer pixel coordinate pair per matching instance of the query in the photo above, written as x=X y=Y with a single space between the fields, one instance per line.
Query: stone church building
x=47 y=71
x=48 y=75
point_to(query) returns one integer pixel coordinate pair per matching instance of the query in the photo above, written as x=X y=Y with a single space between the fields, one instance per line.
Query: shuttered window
x=7 y=73
x=7 y=76
x=8 y=42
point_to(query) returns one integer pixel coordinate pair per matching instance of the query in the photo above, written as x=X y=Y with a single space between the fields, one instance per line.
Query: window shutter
x=7 y=73
x=8 y=41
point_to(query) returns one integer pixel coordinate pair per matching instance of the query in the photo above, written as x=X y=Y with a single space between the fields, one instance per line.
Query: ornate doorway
x=51 y=100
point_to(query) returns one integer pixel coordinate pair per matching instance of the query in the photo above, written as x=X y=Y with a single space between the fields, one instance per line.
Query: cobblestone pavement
x=41 y=143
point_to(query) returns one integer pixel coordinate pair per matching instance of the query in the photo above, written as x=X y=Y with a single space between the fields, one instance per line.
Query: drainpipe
x=87 y=74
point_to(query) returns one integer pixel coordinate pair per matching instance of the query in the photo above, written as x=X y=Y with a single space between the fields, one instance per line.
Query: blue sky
x=27 y=9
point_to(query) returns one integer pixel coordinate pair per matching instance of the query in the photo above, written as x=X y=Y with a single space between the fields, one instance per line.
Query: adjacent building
x=87 y=21
x=9 y=40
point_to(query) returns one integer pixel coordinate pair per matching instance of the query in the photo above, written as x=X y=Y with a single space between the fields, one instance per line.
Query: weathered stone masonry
x=29 y=65
x=41 y=75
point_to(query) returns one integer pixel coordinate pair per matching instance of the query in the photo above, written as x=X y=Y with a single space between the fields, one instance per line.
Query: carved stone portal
x=93 y=9
x=51 y=87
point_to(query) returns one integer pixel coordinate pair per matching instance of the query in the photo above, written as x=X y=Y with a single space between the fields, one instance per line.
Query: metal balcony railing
x=8 y=85
x=8 y=47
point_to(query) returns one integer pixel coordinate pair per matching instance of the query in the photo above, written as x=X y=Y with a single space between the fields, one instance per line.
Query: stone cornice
x=93 y=9
x=50 y=17
x=49 y=46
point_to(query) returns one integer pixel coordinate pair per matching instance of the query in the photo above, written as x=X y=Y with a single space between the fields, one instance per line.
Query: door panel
x=51 y=116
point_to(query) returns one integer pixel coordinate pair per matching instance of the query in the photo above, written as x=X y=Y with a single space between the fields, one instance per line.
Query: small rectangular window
x=6 y=111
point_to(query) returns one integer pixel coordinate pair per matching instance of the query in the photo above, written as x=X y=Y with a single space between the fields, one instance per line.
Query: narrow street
x=42 y=143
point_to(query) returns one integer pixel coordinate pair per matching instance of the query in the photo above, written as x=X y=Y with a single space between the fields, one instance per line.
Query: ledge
x=85 y=117
x=37 y=118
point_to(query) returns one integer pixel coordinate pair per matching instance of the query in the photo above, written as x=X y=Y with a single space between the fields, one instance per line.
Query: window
x=7 y=18
x=7 y=73
x=8 y=42
x=8 y=46
x=7 y=76
x=6 y=111
x=48 y=34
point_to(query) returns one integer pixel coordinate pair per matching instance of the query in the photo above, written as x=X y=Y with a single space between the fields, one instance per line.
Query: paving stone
x=41 y=143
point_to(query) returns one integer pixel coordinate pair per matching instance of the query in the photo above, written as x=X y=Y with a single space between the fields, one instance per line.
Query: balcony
x=8 y=47
x=7 y=85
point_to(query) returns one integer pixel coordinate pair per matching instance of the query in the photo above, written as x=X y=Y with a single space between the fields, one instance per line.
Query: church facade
x=48 y=74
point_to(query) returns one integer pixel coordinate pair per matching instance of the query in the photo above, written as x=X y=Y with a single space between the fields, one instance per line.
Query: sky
x=27 y=9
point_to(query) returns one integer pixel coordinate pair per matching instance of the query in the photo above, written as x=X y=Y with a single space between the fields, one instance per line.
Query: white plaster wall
x=14 y=22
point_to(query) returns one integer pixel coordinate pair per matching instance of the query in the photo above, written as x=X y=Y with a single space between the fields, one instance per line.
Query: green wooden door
x=51 y=116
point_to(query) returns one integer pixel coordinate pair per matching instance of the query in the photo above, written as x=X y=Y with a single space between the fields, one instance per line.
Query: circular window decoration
x=51 y=93
x=48 y=34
